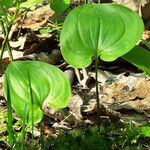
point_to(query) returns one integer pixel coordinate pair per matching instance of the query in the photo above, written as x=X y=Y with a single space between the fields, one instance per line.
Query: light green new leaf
x=59 y=5
x=139 y=57
x=30 y=3
x=145 y=131
x=48 y=83
x=90 y=30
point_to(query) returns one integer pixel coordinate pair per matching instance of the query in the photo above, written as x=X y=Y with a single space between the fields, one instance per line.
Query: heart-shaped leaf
x=48 y=83
x=90 y=30
x=59 y=5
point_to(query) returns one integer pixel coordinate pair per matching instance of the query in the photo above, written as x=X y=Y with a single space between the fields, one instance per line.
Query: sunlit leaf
x=59 y=5
x=90 y=30
x=48 y=83
x=45 y=30
x=145 y=131
x=30 y=3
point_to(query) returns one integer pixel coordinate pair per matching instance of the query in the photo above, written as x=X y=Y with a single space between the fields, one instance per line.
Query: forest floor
x=124 y=89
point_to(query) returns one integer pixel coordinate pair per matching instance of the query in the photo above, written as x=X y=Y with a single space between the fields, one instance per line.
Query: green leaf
x=2 y=13
x=147 y=43
x=59 y=5
x=11 y=137
x=30 y=3
x=48 y=83
x=145 y=131
x=6 y=3
x=90 y=30
x=46 y=30
x=139 y=57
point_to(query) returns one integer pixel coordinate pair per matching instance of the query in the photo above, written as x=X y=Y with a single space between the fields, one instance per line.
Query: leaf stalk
x=97 y=92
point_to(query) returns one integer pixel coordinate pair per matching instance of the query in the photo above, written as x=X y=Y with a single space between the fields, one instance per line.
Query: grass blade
x=11 y=137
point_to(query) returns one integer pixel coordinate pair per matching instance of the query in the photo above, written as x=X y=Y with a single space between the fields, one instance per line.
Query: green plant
x=93 y=30
x=29 y=3
x=145 y=130
x=7 y=20
x=59 y=5
x=29 y=84
x=11 y=137
x=47 y=83
x=60 y=8
x=113 y=137
x=139 y=57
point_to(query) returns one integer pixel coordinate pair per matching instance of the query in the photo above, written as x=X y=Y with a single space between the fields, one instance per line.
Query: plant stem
x=97 y=93
x=11 y=137
x=5 y=42
x=9 y=52
x=3 y=28
x=6 y=33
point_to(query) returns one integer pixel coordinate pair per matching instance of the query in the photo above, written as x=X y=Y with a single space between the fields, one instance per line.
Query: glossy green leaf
x=139 y=57
x=30 y=3
x=48 y=83
x=90 y=30
x=59 y=5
